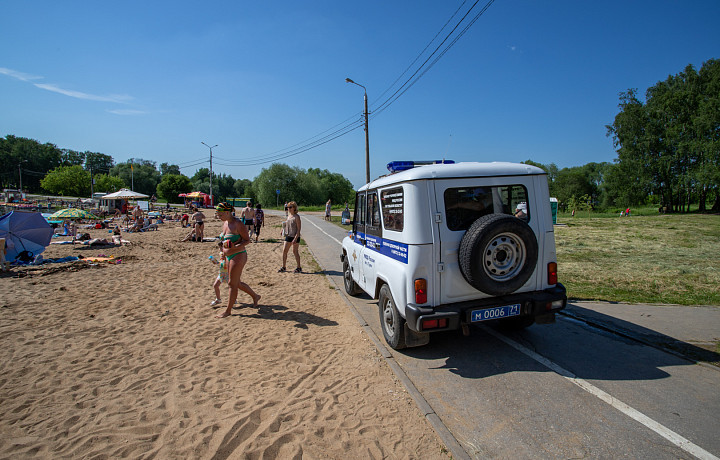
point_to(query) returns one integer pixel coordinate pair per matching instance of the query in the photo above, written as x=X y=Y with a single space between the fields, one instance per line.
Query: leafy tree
x=138 y=173
x=166 y=168
x=28 y=155
x=104 y=183
x=243 y=188
x=67 y=180
x=278 y=177
x=171 y=185
x=98 y=162
x=223 y=187
x=332 y=186
x=572 y=182
x=72 y=157
x=669 y=146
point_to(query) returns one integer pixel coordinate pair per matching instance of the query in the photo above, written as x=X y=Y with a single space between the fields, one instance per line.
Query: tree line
x=47 y=169
x=668 y=150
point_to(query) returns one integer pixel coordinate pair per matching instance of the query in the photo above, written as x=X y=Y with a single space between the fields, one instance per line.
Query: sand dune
x=127 y=360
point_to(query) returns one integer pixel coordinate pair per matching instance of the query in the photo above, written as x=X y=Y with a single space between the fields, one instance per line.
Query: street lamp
x=212 y=198
x=367 y=135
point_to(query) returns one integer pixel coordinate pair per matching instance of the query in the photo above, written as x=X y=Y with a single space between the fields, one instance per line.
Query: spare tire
x=498 y=254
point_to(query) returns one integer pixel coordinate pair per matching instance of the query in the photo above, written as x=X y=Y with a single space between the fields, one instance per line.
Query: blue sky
x=529 y=80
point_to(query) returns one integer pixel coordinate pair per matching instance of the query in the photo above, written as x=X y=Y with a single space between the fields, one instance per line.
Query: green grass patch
x=647 y=259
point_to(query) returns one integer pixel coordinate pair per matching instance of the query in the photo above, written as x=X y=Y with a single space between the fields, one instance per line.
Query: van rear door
x=459 y=203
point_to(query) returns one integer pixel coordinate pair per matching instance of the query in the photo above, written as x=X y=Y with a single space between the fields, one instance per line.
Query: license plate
x=487 y=314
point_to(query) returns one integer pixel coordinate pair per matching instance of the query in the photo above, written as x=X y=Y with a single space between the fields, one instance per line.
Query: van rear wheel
x=393 y=325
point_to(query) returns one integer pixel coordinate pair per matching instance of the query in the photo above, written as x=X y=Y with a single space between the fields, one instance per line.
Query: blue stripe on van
x=389 y=248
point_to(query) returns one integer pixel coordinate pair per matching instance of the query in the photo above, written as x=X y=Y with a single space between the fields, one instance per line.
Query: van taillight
x=420 y=291
x=552 y=273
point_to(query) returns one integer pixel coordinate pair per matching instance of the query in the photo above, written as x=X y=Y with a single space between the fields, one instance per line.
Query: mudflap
x=415 y=339
x=547 y=318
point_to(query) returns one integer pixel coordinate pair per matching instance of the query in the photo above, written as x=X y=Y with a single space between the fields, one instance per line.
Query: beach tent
x=124 y=193
x=25 y=231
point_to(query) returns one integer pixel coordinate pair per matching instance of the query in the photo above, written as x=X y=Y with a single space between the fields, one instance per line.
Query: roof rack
x=397 y=166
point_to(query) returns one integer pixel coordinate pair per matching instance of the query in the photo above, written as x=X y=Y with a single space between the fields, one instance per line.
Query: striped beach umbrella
x=72 y=213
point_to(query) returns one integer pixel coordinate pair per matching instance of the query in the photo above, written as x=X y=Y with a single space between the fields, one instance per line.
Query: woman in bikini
x=292 y=228
x=234 y=237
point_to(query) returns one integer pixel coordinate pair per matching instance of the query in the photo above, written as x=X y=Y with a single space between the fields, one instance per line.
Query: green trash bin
x=553 y=207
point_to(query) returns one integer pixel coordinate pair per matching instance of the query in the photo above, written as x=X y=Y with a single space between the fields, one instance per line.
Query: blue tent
x=24 y=231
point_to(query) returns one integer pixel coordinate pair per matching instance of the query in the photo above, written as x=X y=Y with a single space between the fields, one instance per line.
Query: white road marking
x=328 y=235
x=636 y=415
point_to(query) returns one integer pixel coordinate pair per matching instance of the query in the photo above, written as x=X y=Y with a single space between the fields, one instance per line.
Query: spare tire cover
x=498 y=254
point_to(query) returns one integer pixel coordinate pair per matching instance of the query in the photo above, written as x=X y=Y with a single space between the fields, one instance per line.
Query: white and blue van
x=442 y=245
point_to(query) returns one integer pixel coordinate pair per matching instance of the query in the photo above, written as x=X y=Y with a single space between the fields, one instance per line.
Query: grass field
x=648 y=259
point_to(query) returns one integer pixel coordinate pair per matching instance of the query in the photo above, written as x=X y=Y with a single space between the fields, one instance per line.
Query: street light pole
x=367 y=134
x=212 y=198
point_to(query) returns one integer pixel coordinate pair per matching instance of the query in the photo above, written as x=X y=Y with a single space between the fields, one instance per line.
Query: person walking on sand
x=248 y=217
x=234 y=237
x=291 y=228
x=259 y=221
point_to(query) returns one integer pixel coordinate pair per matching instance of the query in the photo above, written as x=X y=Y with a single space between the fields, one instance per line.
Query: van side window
x=465 y=205
x=393 y=209
x=359 y=217
x=372 y=219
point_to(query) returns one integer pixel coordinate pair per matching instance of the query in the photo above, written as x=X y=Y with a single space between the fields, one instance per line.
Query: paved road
x=566 y=390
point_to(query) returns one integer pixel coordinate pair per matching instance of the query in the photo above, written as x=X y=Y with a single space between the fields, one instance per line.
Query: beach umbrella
x=25 y=231
x=124 y=193
x=196 y=195
x=72 y=213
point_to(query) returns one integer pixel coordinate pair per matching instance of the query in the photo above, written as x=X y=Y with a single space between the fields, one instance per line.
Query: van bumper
x=541 y=305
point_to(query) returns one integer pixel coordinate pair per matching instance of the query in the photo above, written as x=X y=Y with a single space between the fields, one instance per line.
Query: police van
x=442 y=245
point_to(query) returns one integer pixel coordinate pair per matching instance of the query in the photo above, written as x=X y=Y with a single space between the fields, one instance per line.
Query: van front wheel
x=393 y=325
x=350 y=286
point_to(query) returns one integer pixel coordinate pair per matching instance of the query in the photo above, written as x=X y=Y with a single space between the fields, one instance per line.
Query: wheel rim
x=348 y=276
x=388 y=318
x=504 y=256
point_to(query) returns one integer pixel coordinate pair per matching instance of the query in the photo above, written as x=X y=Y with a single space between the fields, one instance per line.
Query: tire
x=392 y=324
x=350 y=286
x=498 y=254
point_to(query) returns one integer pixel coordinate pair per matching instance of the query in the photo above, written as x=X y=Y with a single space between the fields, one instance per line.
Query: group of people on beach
x=235 y=235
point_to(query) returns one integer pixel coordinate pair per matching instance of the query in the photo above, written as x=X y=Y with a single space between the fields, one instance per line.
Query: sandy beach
x=128 y=360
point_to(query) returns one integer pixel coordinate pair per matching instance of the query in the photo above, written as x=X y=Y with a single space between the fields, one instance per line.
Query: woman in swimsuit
x=234 y=237
x=199 y=226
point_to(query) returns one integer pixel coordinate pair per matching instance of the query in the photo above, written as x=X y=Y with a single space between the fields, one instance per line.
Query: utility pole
x=212 y=198
x=367 y=134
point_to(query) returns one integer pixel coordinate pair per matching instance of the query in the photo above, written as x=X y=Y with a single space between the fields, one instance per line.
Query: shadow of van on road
x=585 y=351
x=698 y=352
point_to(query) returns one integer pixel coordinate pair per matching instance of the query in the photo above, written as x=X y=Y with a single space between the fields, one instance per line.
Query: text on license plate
x=495 y=313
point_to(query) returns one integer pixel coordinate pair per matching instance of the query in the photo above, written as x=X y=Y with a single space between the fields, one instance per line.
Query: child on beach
x=223 y=276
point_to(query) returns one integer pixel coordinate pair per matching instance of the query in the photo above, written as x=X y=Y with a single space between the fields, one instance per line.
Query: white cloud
x=127 y=112
x=117 y=98
x=512 y=47
x=19 y=75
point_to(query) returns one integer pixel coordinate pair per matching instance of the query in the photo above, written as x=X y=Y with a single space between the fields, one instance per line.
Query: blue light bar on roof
x=397 y=166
